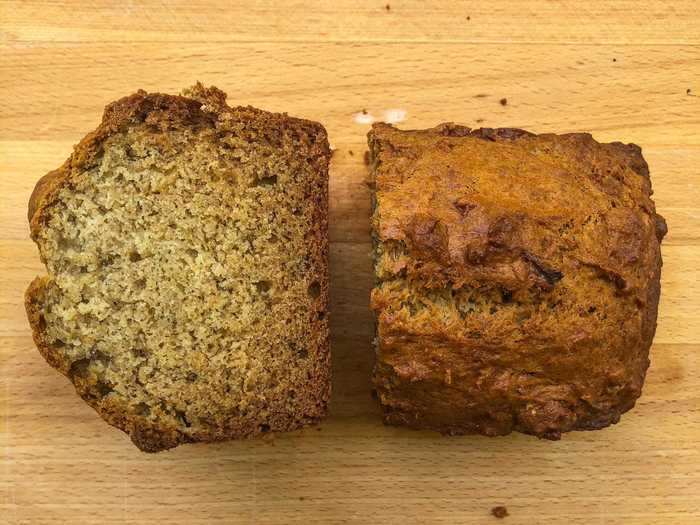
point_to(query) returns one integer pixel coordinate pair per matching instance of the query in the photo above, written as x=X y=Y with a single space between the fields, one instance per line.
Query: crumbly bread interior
x=184 y=288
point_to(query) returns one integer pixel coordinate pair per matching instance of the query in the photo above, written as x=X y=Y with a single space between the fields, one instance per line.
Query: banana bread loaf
x=186 y=244
x=517 y=279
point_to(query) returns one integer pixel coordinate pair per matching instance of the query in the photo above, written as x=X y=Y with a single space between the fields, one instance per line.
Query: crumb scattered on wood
x=614 y=59
x=469 y=18
x=301 y=498
x=479 y=120
x=364 y=111
x=350 y=152
x=480 y=95
x=504 y=101
x=387 y=7
x=499 y=512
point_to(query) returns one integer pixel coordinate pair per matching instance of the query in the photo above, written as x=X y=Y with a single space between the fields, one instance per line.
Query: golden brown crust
x=202 y=107
x=518 y=279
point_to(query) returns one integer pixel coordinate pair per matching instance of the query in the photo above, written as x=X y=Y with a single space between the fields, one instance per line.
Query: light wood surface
x=621 y=70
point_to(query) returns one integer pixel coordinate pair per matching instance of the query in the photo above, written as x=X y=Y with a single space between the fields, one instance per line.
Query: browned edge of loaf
x=165 y=112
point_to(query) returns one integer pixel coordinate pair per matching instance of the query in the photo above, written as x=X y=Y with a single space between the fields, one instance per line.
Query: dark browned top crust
x=518 y=278
x=303 y=145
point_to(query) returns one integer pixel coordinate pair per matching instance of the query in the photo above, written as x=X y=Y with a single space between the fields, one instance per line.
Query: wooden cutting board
x=627 y=70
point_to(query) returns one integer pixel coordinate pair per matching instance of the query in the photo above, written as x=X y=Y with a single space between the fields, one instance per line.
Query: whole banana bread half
x=186 y=245
x=517 y=279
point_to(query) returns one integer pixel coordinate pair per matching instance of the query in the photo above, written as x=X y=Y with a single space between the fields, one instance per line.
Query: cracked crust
x=200 y=108
x=517 y=279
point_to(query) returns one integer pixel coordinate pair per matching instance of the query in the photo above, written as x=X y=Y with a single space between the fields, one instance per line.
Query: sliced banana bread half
x=517 y=279
x=186 y=244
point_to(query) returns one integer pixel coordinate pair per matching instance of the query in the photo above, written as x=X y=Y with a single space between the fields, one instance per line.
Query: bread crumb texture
x=517 y=279
x=186 y=244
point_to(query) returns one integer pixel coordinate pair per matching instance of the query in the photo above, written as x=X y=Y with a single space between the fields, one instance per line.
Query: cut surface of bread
x=186 y=247
x=517 y=279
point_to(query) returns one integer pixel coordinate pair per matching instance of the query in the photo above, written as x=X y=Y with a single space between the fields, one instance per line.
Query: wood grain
x=621 y=70
x=522 y=21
